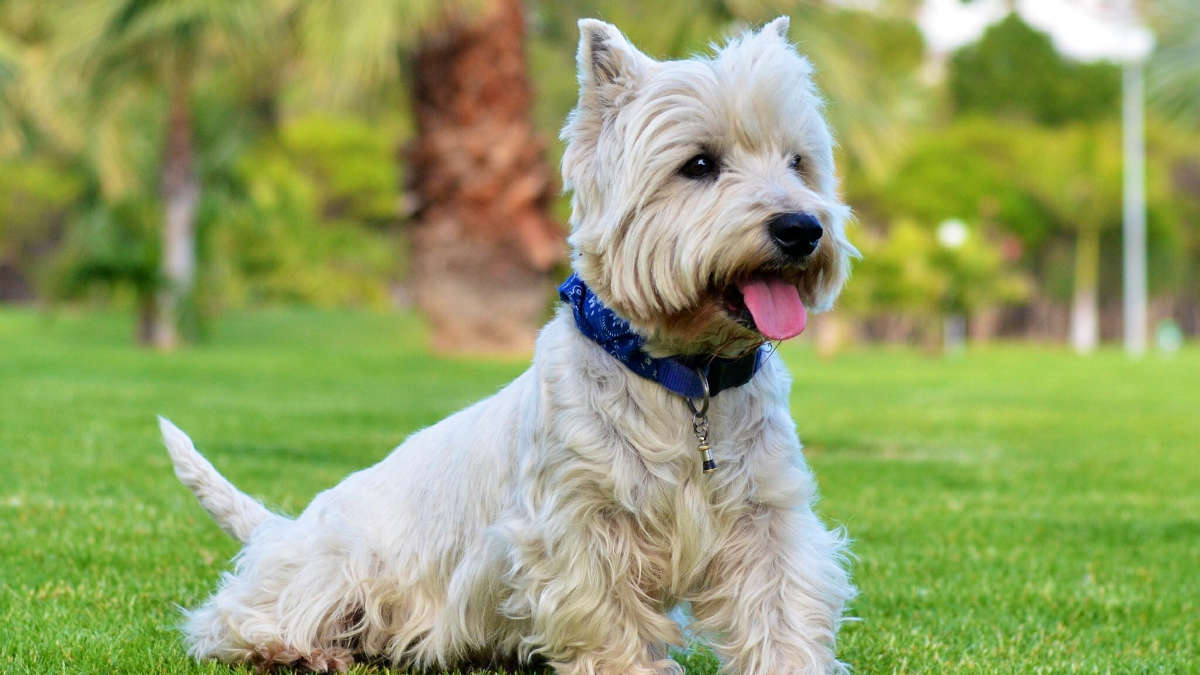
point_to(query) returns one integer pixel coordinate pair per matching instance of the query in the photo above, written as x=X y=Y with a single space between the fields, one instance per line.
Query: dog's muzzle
x=795 y=234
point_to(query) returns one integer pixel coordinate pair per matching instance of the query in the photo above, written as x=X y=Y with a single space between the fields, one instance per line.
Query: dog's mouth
x=767 y=304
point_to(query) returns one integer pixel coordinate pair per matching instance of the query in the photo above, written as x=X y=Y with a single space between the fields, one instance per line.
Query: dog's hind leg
x=216 y=633
x=235 y=629
x=282 y=608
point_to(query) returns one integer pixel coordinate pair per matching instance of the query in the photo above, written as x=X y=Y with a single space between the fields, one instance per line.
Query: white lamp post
x=1133 y=134
x=951 y=235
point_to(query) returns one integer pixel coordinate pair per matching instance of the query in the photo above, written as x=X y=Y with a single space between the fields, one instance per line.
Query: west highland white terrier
x=646 y=459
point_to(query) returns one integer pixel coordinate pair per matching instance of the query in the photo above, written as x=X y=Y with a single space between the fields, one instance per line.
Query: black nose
x=796 y=234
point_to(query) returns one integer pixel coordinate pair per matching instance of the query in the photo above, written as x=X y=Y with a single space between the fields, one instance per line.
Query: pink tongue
x=776 y=308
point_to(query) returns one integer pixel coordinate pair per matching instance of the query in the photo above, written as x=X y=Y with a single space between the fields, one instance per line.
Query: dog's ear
x=778 y=26
x=606 y=60
x=610 y=68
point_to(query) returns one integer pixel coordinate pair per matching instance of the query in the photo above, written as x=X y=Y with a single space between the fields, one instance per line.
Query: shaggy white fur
x=566 y=515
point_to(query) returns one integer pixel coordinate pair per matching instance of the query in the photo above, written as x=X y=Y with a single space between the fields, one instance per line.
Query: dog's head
x=704 y=205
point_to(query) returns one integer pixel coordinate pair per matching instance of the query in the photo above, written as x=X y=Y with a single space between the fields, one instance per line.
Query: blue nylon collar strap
x=677 y=373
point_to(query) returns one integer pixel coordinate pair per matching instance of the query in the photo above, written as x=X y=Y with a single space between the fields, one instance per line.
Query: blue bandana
x=678 y=374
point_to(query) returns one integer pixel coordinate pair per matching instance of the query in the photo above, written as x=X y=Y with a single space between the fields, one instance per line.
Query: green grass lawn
x=1016 y=509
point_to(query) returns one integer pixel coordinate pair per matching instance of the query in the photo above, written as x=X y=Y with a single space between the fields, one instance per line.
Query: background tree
x=483 y=243
x=962 y=172
x=1174 y=92
x=39 y=182
x=1075 y=172
x=129 y=53
x=1013 y=72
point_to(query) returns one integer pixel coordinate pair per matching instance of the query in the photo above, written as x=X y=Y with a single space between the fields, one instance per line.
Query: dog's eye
x=703 y=165
x=797 y=164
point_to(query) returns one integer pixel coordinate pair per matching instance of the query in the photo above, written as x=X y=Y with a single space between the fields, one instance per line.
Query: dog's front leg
x=774 y=594
x=588 y=589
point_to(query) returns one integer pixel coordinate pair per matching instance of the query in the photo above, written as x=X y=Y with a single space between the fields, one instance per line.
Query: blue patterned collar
x=677 y=373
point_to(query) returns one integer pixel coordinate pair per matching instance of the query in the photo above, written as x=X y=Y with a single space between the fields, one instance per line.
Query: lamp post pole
x=1134 y=208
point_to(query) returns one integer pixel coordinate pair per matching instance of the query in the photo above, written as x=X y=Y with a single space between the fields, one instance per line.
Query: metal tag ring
x=704 y=404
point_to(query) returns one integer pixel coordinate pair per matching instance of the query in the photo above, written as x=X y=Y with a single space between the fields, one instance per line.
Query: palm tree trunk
x=1085 y=305
x=483 y=243
x=181 y=192
x=147 y=317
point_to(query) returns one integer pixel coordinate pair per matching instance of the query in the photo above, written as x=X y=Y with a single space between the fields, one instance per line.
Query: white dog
x=562 y=518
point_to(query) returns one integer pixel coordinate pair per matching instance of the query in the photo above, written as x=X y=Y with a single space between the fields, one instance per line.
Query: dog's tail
x=235 y=511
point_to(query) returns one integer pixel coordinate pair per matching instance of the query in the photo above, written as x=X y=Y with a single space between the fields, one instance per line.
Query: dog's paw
x=329 y=660
x=267 y=657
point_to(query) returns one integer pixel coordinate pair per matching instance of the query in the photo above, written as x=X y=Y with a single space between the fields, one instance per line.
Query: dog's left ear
x=778 y=27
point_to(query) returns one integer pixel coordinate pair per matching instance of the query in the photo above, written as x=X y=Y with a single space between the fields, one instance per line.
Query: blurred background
x=178 y=160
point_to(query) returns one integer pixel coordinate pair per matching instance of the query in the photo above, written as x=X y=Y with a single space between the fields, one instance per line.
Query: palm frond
x=357 y=46
x=1174 y=69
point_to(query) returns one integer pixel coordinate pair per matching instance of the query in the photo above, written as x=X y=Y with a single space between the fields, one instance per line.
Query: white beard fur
x=564 y=517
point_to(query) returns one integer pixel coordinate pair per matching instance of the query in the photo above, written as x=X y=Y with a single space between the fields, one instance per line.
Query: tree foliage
x=1175 y=66
x=1013 y=71
x=907 y=270
x=309 y=218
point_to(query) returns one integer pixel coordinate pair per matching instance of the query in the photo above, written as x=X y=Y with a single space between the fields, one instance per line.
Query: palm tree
x=483 y=245
x=1075 y=172
x=483 y=239
x=33 y=116
x=126 y=51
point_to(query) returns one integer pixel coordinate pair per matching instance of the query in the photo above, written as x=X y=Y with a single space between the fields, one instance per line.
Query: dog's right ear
x=607 y=62
x=610 y=68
